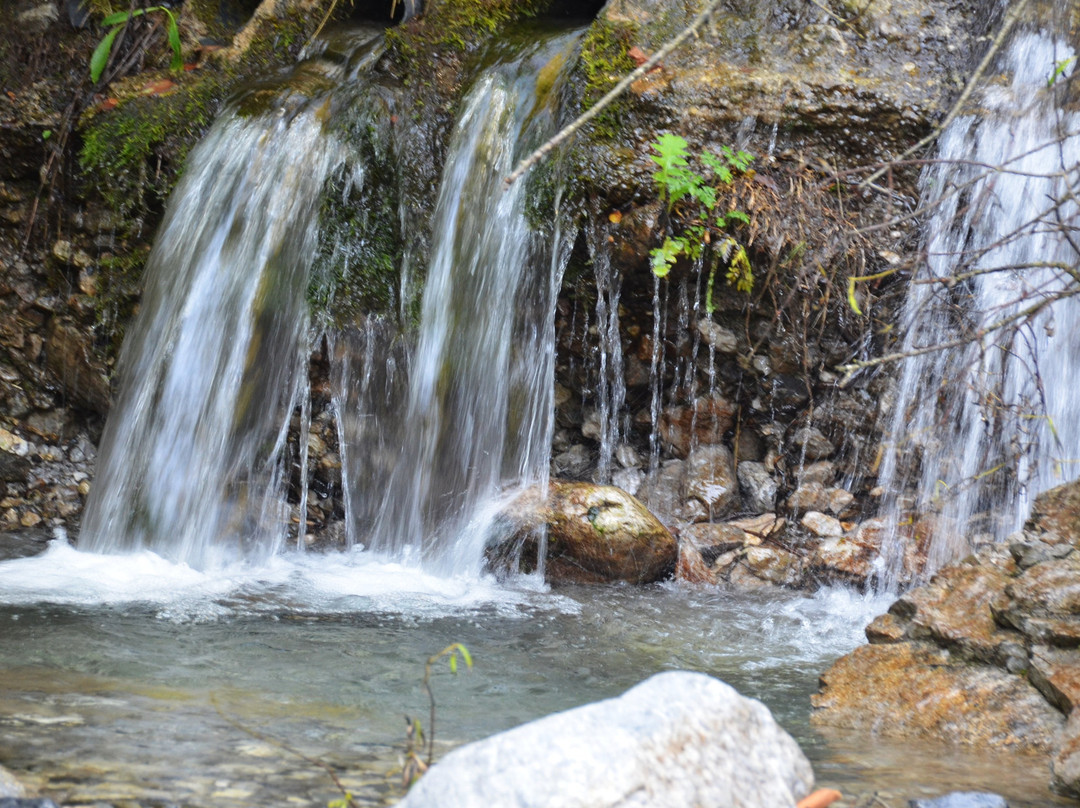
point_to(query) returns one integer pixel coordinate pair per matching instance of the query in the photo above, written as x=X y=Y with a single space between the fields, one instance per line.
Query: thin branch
x=615 y=92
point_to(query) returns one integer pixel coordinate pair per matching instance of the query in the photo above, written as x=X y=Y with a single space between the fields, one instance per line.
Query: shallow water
x=128 y=678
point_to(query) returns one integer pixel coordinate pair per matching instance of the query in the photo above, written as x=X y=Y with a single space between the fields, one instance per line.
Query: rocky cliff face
x=709 y=417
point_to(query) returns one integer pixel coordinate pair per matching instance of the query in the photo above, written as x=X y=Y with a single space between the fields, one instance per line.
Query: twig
x=995 y=46
x=614 y=93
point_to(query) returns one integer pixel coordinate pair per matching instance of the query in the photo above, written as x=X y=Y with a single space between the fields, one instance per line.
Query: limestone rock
x=594 y=533
x=822 y=525
x=710 y=479
x=914 y=689
x=773 y=565
x=677 y=740
x=757 y=485
x=813 y=444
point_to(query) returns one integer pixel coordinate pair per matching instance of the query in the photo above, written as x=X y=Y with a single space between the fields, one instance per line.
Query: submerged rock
x=595 y=533
x=676 y=740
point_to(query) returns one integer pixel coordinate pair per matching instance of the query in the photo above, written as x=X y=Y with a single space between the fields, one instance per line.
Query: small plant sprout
x=100 y=58
x=420 y=748
x=678 y=184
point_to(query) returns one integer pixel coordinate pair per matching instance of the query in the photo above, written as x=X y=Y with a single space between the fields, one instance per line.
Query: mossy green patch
x=604 y=61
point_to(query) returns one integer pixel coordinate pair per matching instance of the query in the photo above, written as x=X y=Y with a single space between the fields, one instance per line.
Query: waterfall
x=977 y=431
x=476 y=415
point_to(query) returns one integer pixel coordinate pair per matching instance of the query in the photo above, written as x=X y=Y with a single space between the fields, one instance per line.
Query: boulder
x=677 y=740
x=704 y=422
x=916 y=689
x=758 y=486
x=595 y=533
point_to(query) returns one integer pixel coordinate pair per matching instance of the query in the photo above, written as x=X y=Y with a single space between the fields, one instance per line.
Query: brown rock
x=1056 y=515
x=594 y=533
x=773 y=565
x=710 y=479
x=886 y=628
x=71 y=358
x=701 y=424
x=1056 y=674
x=1051 y=587
x=1065 y=766
x=954 y=610
x=912 y=690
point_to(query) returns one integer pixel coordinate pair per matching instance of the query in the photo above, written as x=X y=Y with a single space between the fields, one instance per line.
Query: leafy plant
x=679 y=184
x=100 y=57
x=420 y=749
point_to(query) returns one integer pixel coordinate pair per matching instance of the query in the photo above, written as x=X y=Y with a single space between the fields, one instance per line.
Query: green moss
x=138 y=148
x=604 y=61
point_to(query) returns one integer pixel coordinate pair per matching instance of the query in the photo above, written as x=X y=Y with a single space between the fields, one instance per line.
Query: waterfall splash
x=979 y=430
x=477 y=416
x=194 y=463
x=193 y=449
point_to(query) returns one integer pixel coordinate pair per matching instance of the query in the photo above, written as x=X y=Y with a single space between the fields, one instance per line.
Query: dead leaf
x=638 y=55
x=615 y=217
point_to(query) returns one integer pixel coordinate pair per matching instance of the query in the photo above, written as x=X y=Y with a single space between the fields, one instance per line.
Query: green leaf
x=173 y=31
x=665 y=256
x=100 y=57
x=119 y=17
x=465 y=655
x=46 y=134
x=453 y=663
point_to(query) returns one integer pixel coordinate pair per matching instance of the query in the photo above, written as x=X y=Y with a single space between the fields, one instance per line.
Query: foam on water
x=301 y=583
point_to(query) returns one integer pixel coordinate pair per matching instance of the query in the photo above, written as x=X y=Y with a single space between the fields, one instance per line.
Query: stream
x=134 y=681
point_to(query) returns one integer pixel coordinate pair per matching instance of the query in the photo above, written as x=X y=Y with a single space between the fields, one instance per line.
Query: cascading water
x=477 y=416
x=191 y=460
x=978 y=430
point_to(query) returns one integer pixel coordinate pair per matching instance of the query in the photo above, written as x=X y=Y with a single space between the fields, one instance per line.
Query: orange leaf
x=108 y=104
x=158 y=87
x=615 y=217
x=820 y=798
x=638 y=55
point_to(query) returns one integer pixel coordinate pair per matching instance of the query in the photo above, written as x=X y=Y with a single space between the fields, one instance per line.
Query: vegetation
x=100 y=58
x=605 y=58
x=702 y=233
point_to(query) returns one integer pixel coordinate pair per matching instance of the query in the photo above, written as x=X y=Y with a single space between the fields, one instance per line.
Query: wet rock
x=1065 y=767
x=886 y=628
x=70 y=356
x=710 y=479
x=1056 y=674
x=821 y=525
x=676 y=740
x=1046 y=588
x=822 y=471
x=812 y=443
x=915 y=689
x=771 y=565
x=1029 y=553
x=595 y=533
x=849 y=558
x=13 y=468
x=758 y=486
x=573 y=463
x=717 y=337
x=809 y=497
x=840 y=500
x=26 y=802
x=1055 y=516
x=703 y=423
x=629 y=480
x=10 y=787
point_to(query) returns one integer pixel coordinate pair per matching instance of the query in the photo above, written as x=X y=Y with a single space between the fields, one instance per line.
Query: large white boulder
x=677 y=739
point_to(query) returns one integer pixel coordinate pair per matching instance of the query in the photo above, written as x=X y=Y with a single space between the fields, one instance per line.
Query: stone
x=821 y=471
x=954 y=610
x=26 y=802
x=758 y=486
x=773 y=565
x=821 y=525
x=1056 y=674
x=761 y=527
x=684 y=427
x=10 y=787
x=1050 y=587
x=595 y=533
x=661 y=491
x=1029 y=553
x=70 y=357
x=1055 y=515
x=629 y=480
x=963 y=799
x=13 y=468
x=710 y=479
x=844 y=559
x=677 y=740
x=886 y=628
x=839 y=500
x=572 y=463
x=717 y=337
x=691 y=566
x=812 y=443
x=809 y=497
x=1065 y=766
x=917 y=690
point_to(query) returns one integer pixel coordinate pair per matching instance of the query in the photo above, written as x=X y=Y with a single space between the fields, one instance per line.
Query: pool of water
x=127 y=680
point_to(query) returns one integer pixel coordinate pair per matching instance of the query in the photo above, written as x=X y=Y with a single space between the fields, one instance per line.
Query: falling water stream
x=184 y=655
x=979 y=430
